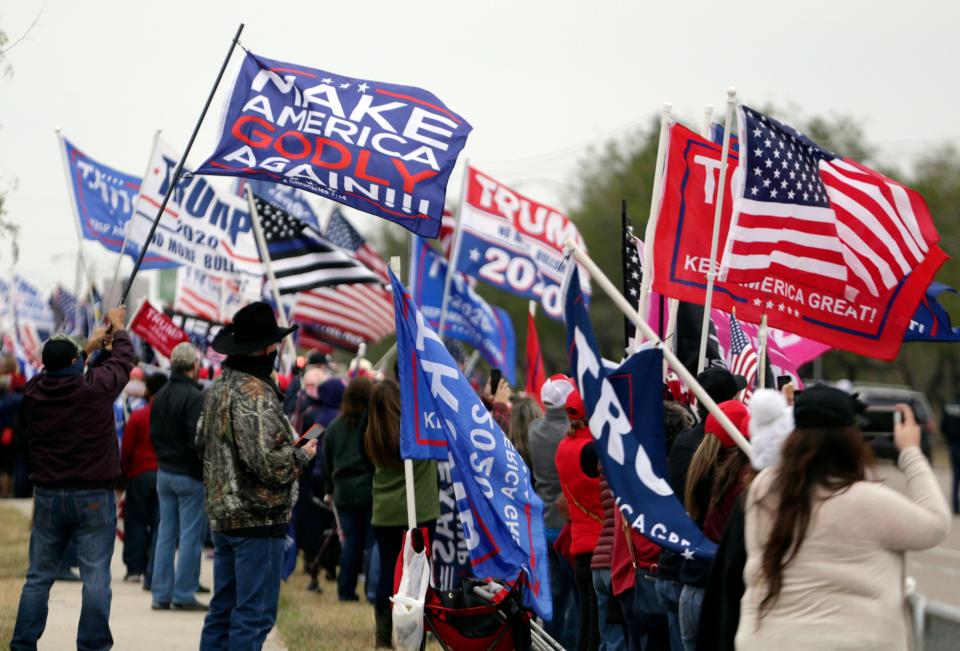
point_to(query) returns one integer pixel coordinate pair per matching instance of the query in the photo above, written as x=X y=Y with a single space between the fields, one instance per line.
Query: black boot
x=384 y=629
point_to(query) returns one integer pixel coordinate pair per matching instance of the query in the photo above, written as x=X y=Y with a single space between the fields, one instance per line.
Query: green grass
x=14 y=542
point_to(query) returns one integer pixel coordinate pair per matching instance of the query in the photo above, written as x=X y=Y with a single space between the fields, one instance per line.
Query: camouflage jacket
x=250 y=466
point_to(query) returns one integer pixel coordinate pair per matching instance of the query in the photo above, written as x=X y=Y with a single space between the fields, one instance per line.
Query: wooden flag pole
x=271 y=278
x=179 y=168
x=646 y=278
x=454 y=251
x=407 y=463
x=685 y=376
x=715 y=238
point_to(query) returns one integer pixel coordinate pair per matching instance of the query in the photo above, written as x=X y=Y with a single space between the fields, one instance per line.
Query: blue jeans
x=691 y=603
x=645 y=616
x=611 y=635
x=668 y=592
x=89 y=519
x=181 y=527
x=357 y=541
x=246 y=590
x=372 y=575
x=564 y=625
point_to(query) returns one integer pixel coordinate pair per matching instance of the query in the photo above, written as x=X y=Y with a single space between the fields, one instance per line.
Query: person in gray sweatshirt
x=545 y=435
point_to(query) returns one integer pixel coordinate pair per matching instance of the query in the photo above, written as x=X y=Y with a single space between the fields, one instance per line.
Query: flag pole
x=762 y=335
x=685 y=376
x=271 y=278
x=715 y=238
x=179 y=169
x=646 y=277
x=454 y=251
x=82 y=260
x=126 y=230
x=408 y=463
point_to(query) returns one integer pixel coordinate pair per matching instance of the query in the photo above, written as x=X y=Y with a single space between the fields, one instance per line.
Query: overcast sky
x=539 y=81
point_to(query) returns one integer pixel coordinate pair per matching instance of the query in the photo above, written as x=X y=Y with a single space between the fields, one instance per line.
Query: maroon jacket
x=70 y=426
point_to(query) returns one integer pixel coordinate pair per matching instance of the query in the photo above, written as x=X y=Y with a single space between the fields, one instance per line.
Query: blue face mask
x=73 y=370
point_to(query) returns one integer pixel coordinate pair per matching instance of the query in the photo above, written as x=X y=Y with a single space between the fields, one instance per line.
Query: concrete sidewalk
x=133 y=624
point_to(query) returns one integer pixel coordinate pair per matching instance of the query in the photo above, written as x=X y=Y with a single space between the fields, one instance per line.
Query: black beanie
x=823 y=406
x=58 y=354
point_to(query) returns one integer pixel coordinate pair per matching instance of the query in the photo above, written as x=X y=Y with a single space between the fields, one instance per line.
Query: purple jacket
x=69 y=422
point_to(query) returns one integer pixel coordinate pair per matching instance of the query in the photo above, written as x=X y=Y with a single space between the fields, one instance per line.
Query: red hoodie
x=137 y=455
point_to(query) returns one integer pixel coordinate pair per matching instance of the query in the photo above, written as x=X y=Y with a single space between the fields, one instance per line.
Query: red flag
x=157 y=329
x=865 y=324
x=536 y=376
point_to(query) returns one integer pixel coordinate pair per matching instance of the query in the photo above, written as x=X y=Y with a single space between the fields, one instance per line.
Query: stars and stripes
x=742 y=358
x=302 y=259
x=632 y=272
x=64 y=306
x=357 y=313
x=808 y=216
x=341 y=232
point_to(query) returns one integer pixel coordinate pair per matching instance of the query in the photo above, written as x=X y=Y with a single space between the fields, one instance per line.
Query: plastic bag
x=411 y=594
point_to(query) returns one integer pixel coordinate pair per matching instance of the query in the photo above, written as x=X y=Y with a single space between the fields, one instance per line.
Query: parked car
x=878 y=426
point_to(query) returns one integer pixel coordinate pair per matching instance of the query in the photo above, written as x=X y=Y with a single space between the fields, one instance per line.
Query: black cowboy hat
x=254 y=328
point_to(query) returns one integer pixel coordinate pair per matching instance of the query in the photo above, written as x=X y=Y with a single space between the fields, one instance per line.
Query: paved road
x=133 y=624
x=937 y=570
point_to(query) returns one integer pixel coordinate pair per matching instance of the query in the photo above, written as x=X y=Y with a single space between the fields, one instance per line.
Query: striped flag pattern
x=303 y=259
x=349 y=313
x=808 y=216
x=341 y=232
x=742 y=358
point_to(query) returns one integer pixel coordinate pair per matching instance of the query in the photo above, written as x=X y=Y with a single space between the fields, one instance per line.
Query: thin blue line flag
x=625 y=407
x=442 y=418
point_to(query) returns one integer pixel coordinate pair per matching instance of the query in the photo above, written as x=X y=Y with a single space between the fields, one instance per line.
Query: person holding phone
x=250 y=470
x=825 y=546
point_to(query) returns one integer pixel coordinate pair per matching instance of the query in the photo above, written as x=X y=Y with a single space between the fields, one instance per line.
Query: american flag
x=632 y=273
x=341 y=232
x=349 y=314
x=808 y=216
x=302 y=259
x=742 y=357
x=64 y=307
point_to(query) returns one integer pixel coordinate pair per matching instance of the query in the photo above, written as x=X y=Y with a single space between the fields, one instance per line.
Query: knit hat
x=555 y=390
x=825 y=406
x=771 y=422
x=737 y=412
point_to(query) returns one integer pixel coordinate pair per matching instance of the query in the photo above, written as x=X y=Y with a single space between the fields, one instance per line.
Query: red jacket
x=627 y=559
x=581 y=491
x=136 y=450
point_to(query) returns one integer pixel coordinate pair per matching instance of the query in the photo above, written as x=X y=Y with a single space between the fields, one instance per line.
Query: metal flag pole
x=715 y=238
x=76 y=214
x=685 y=376
x=126 y=230
x=179 y=168
x=407 y=463
x=646 y=277
x=454 y=251
x=271 y=278
x=762 y=336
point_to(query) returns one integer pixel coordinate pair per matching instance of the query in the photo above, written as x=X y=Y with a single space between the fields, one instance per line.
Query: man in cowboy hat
x=250 y=470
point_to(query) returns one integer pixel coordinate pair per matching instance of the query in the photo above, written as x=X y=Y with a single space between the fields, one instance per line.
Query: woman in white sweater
x=825 y=546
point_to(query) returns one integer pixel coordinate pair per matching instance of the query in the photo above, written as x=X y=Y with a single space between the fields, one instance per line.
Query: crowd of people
x=810 y=548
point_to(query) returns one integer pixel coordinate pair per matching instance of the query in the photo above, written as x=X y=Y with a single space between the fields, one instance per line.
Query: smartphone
x=310 y=435
x=783 y=380
x=897 y=418
x=495 y=376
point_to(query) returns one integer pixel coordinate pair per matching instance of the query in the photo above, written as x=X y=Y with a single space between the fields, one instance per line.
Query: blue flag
x=105 y=200
x=469 y=318
x=931 y=321
x=442 y=418
x=626 y=418
x=381 y=148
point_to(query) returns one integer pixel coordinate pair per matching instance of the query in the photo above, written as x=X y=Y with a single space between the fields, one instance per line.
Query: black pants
x=141 y=517
x=390 y=544
x=955 y=462
x=588 y=637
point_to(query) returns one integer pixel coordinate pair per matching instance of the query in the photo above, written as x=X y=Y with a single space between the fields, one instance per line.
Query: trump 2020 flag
x=104 y=200
x=442 y=418
x=931 y=321
x=627 y=425
x=469 y=317
x=381 y=148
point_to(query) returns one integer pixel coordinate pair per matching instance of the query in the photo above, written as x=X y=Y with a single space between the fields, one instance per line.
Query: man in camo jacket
x=250 y=470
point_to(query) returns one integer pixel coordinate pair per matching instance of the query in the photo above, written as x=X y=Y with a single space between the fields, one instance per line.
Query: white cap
x=555 y=391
